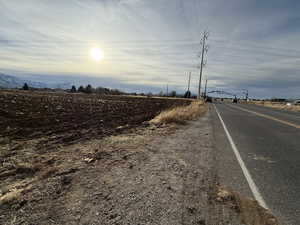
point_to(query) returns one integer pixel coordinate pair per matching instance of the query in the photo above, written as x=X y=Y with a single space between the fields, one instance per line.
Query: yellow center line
x=268 y=117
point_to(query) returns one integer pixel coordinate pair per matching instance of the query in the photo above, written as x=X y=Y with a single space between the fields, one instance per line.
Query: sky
x=253 y=44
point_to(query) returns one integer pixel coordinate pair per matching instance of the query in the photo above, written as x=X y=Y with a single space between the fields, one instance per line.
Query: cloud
x=156 y=42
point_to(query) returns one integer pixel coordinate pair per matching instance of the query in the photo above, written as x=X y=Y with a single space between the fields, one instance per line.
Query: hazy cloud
x=253 y=44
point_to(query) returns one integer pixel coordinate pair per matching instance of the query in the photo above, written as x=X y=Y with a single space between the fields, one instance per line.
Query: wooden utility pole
x=204 y=49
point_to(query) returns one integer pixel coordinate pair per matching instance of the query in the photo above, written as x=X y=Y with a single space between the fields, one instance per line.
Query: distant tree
x=161 y=93
x=187 y=94
x=81 y=89
x=100 y=90
x=73 y=89
x=173 y=94
x=25 y=87
x=115 y=92
x=149 y=94
x=88 y=89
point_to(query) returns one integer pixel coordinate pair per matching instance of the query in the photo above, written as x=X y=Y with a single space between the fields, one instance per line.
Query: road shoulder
x=229 y=171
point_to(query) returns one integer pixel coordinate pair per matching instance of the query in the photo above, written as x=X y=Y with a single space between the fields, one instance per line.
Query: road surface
x=268 y=143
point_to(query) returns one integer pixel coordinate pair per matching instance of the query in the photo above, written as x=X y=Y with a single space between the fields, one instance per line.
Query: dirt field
x=68 y=118
x=38 y=131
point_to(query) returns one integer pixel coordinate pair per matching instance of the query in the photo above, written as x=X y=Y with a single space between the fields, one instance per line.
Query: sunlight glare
x=97 y=54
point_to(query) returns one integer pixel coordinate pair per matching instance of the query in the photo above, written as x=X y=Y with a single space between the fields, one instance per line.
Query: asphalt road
x=268 y=142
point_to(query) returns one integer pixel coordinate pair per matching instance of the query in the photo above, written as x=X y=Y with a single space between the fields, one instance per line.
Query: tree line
x=89 y=89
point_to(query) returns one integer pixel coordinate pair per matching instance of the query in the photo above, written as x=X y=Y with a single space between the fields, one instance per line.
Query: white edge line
x=247 y=175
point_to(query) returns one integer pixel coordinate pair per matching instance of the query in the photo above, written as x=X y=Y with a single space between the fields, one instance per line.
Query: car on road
x=208 y=99
x=296 y=102
x=235 y=100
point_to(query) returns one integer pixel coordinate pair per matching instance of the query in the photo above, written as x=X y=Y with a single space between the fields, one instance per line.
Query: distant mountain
x=9 y=81
x=66 y=82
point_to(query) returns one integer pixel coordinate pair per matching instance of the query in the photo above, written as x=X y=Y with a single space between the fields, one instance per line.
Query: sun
x=96 y=54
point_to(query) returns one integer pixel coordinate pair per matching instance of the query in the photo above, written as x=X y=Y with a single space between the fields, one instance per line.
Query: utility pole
x=246 y=93
x=167 y=90
x=205 y=88
x=204 y=49
x=189 y=82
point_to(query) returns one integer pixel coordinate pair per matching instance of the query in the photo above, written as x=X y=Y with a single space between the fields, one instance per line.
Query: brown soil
x=39 y=132
x=68 y=118
x=34 y=126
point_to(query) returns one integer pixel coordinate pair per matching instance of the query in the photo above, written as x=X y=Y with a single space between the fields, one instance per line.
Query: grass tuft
x=10 y=197
x=250 y=211
x=181 y=114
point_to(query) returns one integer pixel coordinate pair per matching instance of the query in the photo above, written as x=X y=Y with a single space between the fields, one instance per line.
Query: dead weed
x=11 y=196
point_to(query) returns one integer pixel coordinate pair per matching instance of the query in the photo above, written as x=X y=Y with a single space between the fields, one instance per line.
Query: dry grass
x=181 y=114
x=251 y=213
x=276 y=105
x=10 y=196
